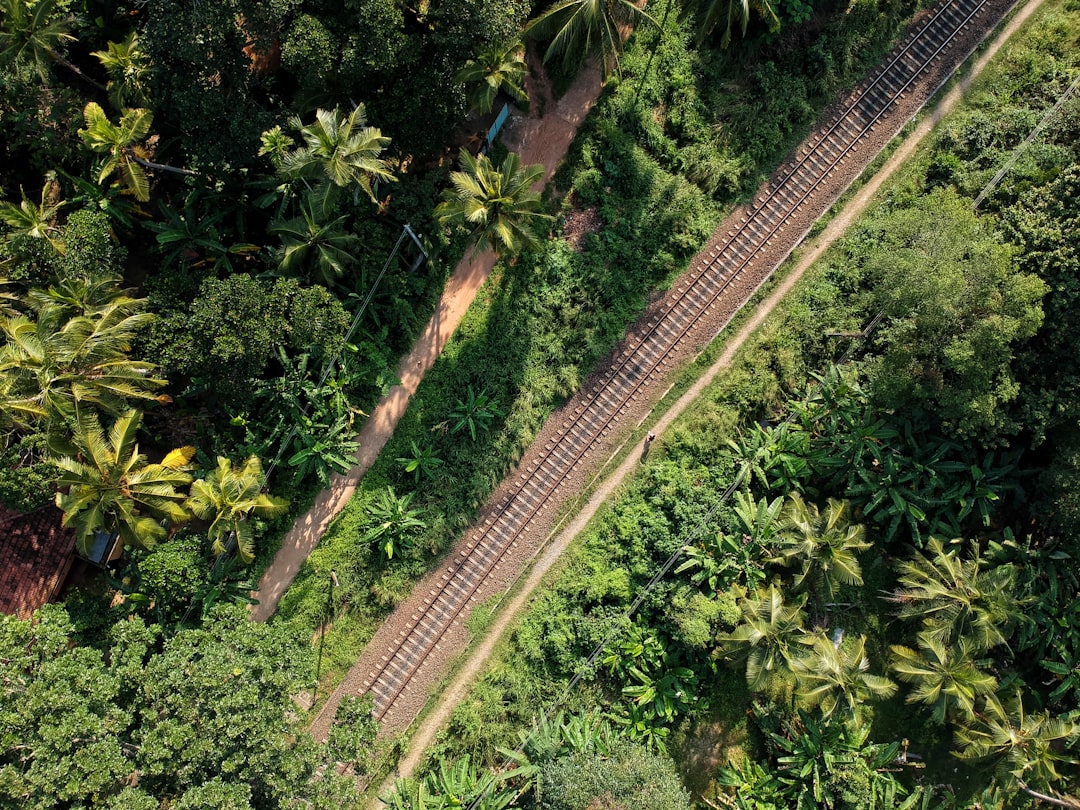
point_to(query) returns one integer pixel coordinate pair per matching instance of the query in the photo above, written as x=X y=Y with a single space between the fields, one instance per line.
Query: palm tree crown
x=33 y=33
x=35 y=220
x=120 y=145
x=768 y=636
x=308 y=244
x=111 y=488
x=825 y=543
x=728 y=14
x=1024 y=746
x=579 y=28
x=227 y=497
x=341 y=149
x=52 y=364
x=129 y=72
x=497 y=205
x=945 y=678
x=499 y=68
x=837 y=678
x=958 y=598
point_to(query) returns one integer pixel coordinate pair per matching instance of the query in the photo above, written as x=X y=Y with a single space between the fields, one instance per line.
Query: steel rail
x=645 y=357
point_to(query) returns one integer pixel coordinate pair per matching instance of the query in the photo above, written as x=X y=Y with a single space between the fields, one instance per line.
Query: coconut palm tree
x=501 y=67
x=728 y=14
x=33 y=32
x=34 y=220
x=120 y=145
x=227 y=497
x=495 y=205
x=578 y=28
x=310 y=246
x=110 y=487
x=769 y=636
x=54 y=363
x=128 y=66
x=91 y=296
x=825 y=544
x=836 y=678
x=946 y=678
x=341 y=150
x=1025 y=748
x=957 y=598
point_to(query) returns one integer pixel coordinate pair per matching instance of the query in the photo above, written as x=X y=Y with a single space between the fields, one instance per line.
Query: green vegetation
x=117 y=714
x=915 y=458
x=215 y=207
x=542 y=322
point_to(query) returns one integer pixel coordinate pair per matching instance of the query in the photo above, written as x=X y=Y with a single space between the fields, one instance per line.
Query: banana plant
x=323 y=447
x=394 y=521
x=423 y=461
x=638 y=725
x=476 y=411
x=193 y=236
x=776 y=456
x=816 y=758
x=116 y=205
x=550 y=738
x=663 y=698
x=638 y=647
x=450 y=786
x=751 y=786
x=735 y=558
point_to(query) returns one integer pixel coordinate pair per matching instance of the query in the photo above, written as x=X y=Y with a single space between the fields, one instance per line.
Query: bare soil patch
x=579 y=223
x=470 y=669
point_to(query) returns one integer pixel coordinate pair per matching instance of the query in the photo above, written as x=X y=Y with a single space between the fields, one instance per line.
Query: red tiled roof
x=35 y=555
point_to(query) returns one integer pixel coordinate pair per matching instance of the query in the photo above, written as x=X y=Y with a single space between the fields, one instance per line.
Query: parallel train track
x=800 y=182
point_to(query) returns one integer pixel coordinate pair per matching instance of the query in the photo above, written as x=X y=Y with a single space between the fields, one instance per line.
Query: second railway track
x=733 y=265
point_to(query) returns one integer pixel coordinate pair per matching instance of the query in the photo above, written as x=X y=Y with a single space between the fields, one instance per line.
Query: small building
x=36 y=554
x=36 y=558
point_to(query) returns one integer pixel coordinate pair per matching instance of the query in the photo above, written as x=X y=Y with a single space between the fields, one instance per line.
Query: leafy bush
x=630 y=776
x=27 y=474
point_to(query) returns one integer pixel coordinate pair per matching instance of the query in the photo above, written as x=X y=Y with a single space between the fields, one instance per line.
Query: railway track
x=784 y=211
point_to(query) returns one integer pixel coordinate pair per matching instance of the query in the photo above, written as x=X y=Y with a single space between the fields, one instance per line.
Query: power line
x=331 y=363
x=1043 y=123
x=620 y=621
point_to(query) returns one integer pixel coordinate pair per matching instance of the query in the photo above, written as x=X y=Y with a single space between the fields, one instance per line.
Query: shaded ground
x=537 y=139
x=714 y=746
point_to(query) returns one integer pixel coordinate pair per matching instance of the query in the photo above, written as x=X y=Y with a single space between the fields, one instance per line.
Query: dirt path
x=472 y=667
x=537 y=139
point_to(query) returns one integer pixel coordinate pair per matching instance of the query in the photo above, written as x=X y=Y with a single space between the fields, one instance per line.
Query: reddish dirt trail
x=474 y=663
x=537 y=139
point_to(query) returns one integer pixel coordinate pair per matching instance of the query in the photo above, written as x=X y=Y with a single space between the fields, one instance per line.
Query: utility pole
x=322 y=637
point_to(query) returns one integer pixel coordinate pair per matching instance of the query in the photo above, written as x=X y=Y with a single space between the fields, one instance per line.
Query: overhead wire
x=620 y=622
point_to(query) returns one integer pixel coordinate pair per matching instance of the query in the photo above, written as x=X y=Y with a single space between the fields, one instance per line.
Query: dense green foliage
x=546 y=319
x=902 y=655
x=127 y=717
x=226 y=171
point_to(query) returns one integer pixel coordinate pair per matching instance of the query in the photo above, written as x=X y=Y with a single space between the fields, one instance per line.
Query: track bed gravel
x=406 y=699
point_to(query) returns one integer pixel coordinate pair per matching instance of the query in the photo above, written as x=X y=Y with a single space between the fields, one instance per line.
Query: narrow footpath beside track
x=410 y=653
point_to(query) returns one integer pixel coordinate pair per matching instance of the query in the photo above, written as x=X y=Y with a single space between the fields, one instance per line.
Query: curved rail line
x=646 y=357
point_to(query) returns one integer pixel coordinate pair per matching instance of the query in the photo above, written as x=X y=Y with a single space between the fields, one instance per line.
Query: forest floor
x=542 y=136
x=472 y=664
